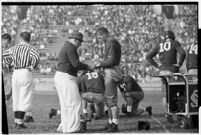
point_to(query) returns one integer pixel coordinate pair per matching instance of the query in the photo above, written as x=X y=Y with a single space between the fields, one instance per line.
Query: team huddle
x=91 y=86
x=87 y=91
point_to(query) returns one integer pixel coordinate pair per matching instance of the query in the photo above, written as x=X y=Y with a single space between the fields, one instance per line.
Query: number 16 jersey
x=92 y=82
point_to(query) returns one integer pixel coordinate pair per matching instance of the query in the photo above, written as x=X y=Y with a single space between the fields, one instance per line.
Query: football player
x=133 y=95
x=92 y=86
x=191 y=58
x=167 y=51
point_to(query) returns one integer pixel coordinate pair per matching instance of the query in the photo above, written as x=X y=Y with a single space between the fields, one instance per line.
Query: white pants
x=70 y=101
x=22 y=87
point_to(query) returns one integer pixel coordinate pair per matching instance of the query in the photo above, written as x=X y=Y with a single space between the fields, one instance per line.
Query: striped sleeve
x=34 y=57
x=7 y=57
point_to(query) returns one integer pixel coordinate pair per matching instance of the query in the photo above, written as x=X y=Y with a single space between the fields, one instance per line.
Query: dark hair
x=102 y=30
x=26 y=36
x=6 y=36
x=170 y=34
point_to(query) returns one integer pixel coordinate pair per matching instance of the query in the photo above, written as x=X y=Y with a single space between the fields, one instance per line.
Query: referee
x=24 y=58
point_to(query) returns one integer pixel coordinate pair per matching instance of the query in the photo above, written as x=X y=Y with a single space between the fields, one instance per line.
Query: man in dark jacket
x=65 y=82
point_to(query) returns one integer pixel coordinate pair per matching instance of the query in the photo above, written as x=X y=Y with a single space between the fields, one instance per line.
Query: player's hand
x=159 y=65
x=97 y=65
x=30 y=68
x=176 y=65
x=127 y=94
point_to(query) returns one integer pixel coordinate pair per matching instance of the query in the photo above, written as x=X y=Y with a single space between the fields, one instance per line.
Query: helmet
x=170 y=34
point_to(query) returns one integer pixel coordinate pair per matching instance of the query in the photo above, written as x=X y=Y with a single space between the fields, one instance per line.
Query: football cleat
x=28 y=119
x=113 y=128
x=52 y=113
x=21 y=126
x=107 y=126
x=83 y=127
x=149 y=110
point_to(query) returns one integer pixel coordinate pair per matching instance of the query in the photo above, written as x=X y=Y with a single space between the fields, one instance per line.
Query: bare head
x=102 y=34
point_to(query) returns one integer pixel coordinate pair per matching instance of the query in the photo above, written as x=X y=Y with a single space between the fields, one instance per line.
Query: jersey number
x=193 y=49
x=165 y=47
x=92 y=75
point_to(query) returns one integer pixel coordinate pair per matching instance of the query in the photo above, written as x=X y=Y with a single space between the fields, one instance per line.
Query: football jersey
x=168 y=52
x=191 y=59
x=168 y=55
x=92 y=82
x=129 y=84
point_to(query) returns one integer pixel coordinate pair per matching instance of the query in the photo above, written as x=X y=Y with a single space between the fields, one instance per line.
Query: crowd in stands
x=10 y=20
x=136 y=27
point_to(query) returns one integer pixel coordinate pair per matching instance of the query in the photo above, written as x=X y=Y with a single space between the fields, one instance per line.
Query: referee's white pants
x=70 y=101
x=22 y=88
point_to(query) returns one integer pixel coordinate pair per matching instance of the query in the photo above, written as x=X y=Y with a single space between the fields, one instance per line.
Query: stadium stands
x=135 y=26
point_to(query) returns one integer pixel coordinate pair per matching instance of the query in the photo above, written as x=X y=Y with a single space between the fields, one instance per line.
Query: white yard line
x=163 y=126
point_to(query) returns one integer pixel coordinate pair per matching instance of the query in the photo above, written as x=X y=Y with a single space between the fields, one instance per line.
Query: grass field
x=43 y=125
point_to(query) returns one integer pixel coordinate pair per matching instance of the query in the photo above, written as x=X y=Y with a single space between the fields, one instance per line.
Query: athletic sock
x=129 y=108
x=115 y=121
x=110 y=121
x=84 y=111
x=58 y=112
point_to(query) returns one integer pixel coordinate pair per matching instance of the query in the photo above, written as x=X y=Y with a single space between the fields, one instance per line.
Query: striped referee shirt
x=21 y=55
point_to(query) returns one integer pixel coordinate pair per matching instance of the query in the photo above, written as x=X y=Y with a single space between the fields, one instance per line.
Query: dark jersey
x=191 y=59
x=92 y=82
x=112 y=55
x=129 y=84
x=167 y=55
x=68 y=60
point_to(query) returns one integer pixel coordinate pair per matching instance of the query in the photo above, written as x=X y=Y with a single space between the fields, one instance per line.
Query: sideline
x=163 y=126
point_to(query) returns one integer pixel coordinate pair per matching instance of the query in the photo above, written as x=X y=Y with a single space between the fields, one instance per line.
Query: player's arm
x=113 y=59
x=34 y=57
x=187 y=57
x=82 y=85
x=128 y=86
x=182 y=53
x=7 y=57
x=150 y=55
x=120 y=88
